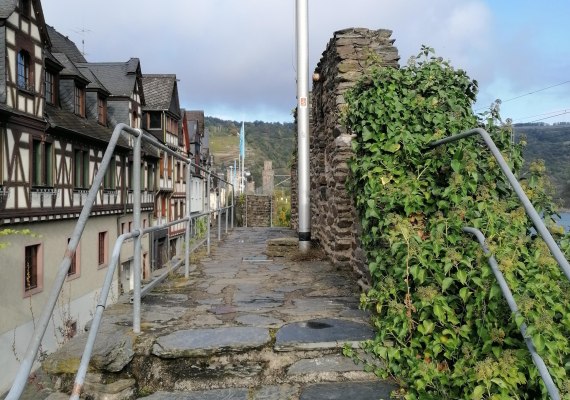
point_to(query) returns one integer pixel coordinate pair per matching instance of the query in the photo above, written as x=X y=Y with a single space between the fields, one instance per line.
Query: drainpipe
x=302 y=25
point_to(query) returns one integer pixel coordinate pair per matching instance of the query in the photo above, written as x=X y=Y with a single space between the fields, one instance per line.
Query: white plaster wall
x=14 y=342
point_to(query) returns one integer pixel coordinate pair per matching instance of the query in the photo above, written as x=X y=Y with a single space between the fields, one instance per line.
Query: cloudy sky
x=235 y=59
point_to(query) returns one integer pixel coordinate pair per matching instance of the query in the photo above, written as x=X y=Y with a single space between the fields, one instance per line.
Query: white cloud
x=238 y=57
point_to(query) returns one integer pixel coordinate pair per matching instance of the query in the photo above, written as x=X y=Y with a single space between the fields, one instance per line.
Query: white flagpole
x=302 y=24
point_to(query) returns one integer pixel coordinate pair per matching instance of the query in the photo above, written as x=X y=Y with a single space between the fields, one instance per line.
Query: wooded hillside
x=273 y=141
x=550 y=143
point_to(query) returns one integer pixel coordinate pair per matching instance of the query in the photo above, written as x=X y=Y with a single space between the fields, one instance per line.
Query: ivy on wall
x=444 y=330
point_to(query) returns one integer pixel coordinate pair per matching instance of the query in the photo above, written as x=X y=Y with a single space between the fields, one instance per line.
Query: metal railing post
x=209 y=176
x=138 y=238
x=227 y=210
x=101 y=303
x=233 y=205
x=219 y=211
x=188 y=224
x=538 y=361
x=530 y=210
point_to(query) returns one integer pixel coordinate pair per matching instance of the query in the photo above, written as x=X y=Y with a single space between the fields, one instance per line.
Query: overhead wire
x=552 y=116
x=529 y=93
x=539 y=115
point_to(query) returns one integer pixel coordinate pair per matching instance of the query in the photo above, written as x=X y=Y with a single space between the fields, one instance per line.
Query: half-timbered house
x=49 y=152
x=162 y=118
x=57 y=113
x=193 y=120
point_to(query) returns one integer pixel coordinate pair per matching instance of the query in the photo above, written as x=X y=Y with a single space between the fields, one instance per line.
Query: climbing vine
x=443 y=328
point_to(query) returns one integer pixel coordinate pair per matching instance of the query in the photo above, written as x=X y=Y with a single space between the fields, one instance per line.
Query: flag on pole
x=242 y=141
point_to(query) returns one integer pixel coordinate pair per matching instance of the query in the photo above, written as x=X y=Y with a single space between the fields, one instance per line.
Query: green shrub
x=443 y=328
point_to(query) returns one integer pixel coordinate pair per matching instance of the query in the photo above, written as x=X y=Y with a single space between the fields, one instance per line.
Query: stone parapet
x=349 y=56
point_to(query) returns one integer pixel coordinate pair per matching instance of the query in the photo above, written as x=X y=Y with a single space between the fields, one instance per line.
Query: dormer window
x=50 y=87
x=79 y=101
x=24 y=6
x=154 y=120
x=102 y=110
x=24 y=75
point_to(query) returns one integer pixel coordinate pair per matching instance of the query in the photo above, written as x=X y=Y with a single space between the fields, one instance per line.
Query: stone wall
x=347 y=58
x=268 y=177
x=258 y=211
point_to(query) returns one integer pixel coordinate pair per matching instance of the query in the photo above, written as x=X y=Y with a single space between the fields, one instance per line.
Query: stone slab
x=57 y=396
x=334 y=363
x=215 y=394
x=205 y=342
x=321 y=334
x=118 y=390
x=258 y=320
x=277 y=392
x=348 y=390
x=113 y=350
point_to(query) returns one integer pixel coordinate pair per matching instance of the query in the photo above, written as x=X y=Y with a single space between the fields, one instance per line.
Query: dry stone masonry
x=334 y=222
x=258 y=211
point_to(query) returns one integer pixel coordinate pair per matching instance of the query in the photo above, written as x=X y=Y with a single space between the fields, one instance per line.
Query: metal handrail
x=43 y=321
x=530 y=210
x=102 y=301
x=508 y=295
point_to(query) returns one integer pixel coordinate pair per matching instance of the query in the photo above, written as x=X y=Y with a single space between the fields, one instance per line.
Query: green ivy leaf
x=456 y=165
x=446 y=283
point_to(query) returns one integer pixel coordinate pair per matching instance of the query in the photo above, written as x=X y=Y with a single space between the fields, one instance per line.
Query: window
x=25 y=81
x=81 y=169
x=50 y=87
x=24 y=6
x=32 y=269
x=79 y=101
x=103 y=249
x=171 y=125
x=110 y=176
x=154 y=120
x=73 y=271
x=162 y=163
x=102 y=110
x=42 y=163
x=150 y=178
x=169 y=166
x=163 y=206
x=130 y=172
x=135 y=121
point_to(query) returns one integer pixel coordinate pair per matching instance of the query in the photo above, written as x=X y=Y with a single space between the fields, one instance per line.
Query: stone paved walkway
x=244 y=326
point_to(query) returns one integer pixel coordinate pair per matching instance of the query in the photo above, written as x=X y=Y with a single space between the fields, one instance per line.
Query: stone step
x=320 y=391
x=225 y=357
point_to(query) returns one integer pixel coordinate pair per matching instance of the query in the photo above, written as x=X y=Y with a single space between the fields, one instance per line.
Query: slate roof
x=118 y=77
x=7 y=7
x=69 y=68
x=62 y=44
x=72 y=123
x=94 y=83
x=49 y=56
x=158 y=91
x=195 y=115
